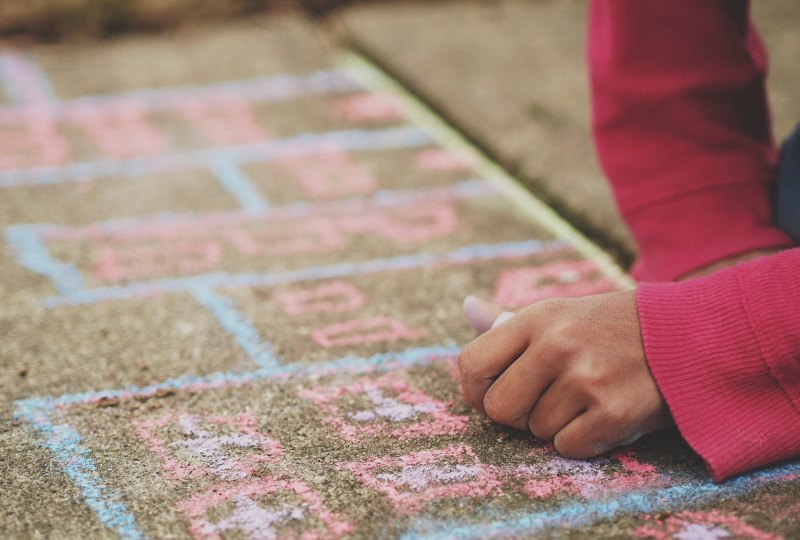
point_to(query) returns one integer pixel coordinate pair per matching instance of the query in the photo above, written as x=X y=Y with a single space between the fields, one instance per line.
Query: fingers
x=558 y=406
x=590 y=434
x=510 y=399
x=487 y=356
x=480 y=314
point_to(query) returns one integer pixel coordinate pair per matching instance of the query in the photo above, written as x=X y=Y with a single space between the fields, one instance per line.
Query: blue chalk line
x=30 y=250
x=216 y=280
x=258 y=90
x=234 y=180
x=590 y=512
x=308 y=143
x=238 y=326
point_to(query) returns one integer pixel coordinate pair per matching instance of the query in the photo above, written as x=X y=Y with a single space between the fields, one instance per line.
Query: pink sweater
x=682 y=128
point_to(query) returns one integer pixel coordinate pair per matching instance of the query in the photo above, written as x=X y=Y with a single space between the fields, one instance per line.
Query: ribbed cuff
x=712 y=364
x=692 y=230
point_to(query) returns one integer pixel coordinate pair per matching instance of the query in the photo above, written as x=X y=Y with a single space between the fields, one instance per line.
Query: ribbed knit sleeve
x=682 y=130
x=725 y=353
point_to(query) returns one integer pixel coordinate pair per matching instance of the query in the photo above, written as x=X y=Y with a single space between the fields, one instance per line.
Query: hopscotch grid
x=66 y=443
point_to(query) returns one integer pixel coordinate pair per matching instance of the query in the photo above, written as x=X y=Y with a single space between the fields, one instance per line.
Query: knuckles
x=468 y=362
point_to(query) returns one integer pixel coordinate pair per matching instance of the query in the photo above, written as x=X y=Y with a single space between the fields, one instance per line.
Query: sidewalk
x=231 y=278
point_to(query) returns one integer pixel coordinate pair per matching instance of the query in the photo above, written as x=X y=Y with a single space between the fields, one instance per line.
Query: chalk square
x=520 y=287
x=201 y=444
x=264 y=508
x=388 y=407
x=413 y=480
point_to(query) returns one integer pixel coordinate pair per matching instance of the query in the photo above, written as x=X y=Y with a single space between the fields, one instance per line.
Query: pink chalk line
x=394 y=410
x=368 y=108
x=304 y=518
x=520 y=287
x=121 y=132
x=183 y=226
x=688 y=525
x=199 y=452
x=330 y=173
x=171 y=256
x=332 y=297
x=224 y=122
x=445 y=160
x=552 y=475
x=36 y=143
x=413 y=480
x=146 y=261
x=361 y=331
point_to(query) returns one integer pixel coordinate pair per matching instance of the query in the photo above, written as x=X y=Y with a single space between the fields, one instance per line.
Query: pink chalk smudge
x=700 y=526
x=415 y=479
x=368 y=108
x=361 y=331
x=330 y=173
x=34 y=142
x=390 y=401
x=126 y=262
x=224 y=122
x=444 y=160
x=305 y=518
x=417 y=224
x=200 y=450
x=553 y=475
x=333 y=297
x=313 y=236
x=120 y=132
x=520 y=287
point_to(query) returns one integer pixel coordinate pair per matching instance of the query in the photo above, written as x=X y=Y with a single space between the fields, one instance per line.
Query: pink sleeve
x=725 y=353
x=682 y=130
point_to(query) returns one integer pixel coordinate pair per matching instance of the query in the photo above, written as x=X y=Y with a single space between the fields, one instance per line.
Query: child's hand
x=571 y=370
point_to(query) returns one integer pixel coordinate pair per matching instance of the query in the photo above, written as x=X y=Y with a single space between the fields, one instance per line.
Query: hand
x=571 y=371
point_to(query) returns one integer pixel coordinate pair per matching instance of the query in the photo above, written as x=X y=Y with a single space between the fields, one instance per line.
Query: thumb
x=483 y=315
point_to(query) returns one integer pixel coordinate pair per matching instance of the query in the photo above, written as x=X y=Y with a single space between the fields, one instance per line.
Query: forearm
x=724 y=352
x=681 y=127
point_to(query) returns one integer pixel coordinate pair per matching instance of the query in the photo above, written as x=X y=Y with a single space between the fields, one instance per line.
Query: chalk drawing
x=520 y=287
x=238 y=326
x=413 y=480
x=459 y=256
x=36 y=142
x=332 y=297
x=328 y=173
x=389 y=407
x=304 y=517
x=203 y=442
x=700 y=526
x=116 y=263
x=361 y=331
x=195 y=246
x=234 y=180
x=552 y=475
x=261 y=152
x=368 y=108
x=444 y=160
x=224 y=122
x=122 y=132
x=309 y=236
x=25 y=83
x=416 y=224
x=257 y=90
